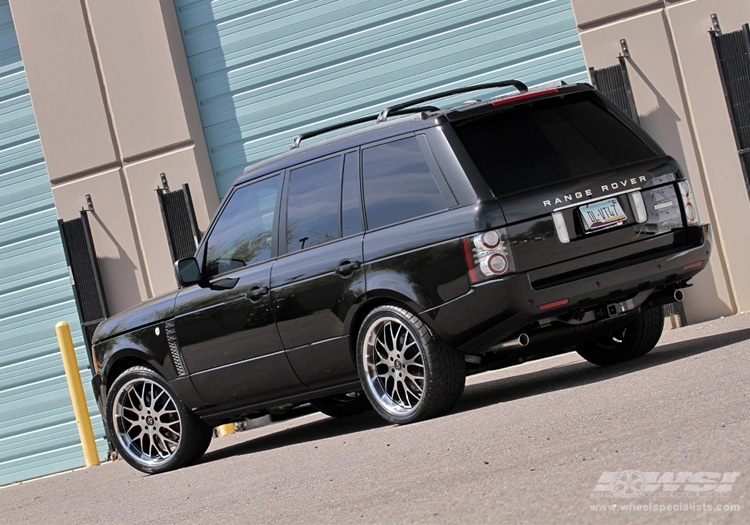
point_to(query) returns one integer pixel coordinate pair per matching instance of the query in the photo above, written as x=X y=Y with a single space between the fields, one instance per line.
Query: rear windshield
x=549 y=141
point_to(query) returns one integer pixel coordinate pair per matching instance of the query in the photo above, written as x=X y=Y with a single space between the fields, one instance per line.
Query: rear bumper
x=497 y=310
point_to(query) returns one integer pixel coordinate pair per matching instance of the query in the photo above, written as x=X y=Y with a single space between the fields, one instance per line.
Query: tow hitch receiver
x=615 y=309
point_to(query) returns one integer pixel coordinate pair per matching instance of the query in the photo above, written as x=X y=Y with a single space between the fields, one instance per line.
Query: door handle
x=256 y=292
x=346 y=267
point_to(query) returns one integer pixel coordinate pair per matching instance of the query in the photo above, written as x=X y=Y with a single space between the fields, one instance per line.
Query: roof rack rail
x=405 y=108
x=314 y=133
x=392 y=110
x=302 y=136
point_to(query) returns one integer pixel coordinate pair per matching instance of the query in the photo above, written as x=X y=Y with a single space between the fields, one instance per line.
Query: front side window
x=313 y=204
x=398 y=183
x=243 y=232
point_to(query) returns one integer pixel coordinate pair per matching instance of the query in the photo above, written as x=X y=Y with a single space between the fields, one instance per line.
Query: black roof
x=412 y=117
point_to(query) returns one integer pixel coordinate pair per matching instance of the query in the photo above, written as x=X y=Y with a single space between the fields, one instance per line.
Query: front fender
x=151 y=345
x=148 y=344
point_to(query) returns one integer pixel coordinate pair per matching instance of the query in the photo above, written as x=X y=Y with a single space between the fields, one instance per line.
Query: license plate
x=602 y=214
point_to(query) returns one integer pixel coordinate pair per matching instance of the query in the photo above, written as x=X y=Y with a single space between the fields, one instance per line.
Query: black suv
x=394 y=259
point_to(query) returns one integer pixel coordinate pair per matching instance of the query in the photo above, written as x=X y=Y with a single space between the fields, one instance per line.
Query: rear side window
x=549 y=141
x=313 y=204
x=398 y=183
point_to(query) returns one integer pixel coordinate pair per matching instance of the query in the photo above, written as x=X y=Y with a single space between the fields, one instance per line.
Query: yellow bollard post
x=85 y=431
x=225 y=430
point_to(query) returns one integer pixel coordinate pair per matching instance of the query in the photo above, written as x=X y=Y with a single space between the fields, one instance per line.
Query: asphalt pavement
x=661 y=439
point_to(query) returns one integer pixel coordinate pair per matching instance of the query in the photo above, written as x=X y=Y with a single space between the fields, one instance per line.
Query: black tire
x=149 y=426
x=343 y=405
x=407 y=372
x=634 y=340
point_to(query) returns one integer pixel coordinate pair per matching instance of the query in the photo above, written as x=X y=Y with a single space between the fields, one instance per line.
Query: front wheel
x=407 y=372
x=635 y=340
x=151 y=429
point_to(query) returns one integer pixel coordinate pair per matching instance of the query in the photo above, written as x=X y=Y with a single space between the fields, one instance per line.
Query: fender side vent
x=174 y=348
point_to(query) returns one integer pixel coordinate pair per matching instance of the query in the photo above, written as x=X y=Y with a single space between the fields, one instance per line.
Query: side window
x=313 y=205
x=398 y=183
x=351 y=197
x=243 y=232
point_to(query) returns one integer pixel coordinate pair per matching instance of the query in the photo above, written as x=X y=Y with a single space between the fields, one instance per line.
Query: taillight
x=663 y=210
x=688 y=201
x=488 y=255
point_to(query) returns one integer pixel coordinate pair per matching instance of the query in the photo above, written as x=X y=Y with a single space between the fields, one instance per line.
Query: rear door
x=319 y=276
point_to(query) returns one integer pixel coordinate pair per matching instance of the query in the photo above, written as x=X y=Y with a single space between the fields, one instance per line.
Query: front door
x=225 y=328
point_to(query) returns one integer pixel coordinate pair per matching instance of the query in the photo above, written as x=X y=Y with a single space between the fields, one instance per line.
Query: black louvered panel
x=82 y=262
x=733 y=50
x=676 y=310
x=84 y=273
x=179 y=222
x=745 y=161
x=613 y=81
x=733 y=57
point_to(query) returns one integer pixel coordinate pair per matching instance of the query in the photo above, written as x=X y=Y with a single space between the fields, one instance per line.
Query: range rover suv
x=379 y=266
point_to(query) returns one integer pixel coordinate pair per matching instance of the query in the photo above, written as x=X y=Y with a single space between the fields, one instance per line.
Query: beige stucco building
x=680 y=100
x=115 y=108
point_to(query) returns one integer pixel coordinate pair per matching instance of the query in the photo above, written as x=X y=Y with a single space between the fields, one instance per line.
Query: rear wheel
x=634 y=340
x=151 y=429
x=343 y=405
x=407 y=372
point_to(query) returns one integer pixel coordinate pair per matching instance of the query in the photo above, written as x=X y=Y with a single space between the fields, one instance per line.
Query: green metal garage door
x=264 y=70
x=38 y=433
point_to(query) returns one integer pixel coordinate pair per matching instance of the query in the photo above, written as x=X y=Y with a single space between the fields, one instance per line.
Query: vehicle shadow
x=298 y=433
x=482 y=394
x=583 y=373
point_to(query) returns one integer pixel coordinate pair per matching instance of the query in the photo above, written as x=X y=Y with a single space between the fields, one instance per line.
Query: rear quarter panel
x=419 y=262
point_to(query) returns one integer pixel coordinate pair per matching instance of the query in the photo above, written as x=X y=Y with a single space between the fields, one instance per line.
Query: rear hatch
x=577 y=180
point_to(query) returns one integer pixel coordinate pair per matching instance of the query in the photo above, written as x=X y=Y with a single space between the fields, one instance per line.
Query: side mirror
x=187 y=271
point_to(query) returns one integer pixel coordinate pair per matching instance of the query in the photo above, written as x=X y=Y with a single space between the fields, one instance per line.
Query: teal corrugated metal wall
x=38 y=433
x=264 y=70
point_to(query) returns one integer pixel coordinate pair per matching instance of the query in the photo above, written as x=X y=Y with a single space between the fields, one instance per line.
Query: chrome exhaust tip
x=521 y=340
x=667 y=297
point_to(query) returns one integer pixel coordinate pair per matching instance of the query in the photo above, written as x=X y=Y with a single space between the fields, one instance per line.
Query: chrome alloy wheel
x=146 y=422
x=394 y=365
